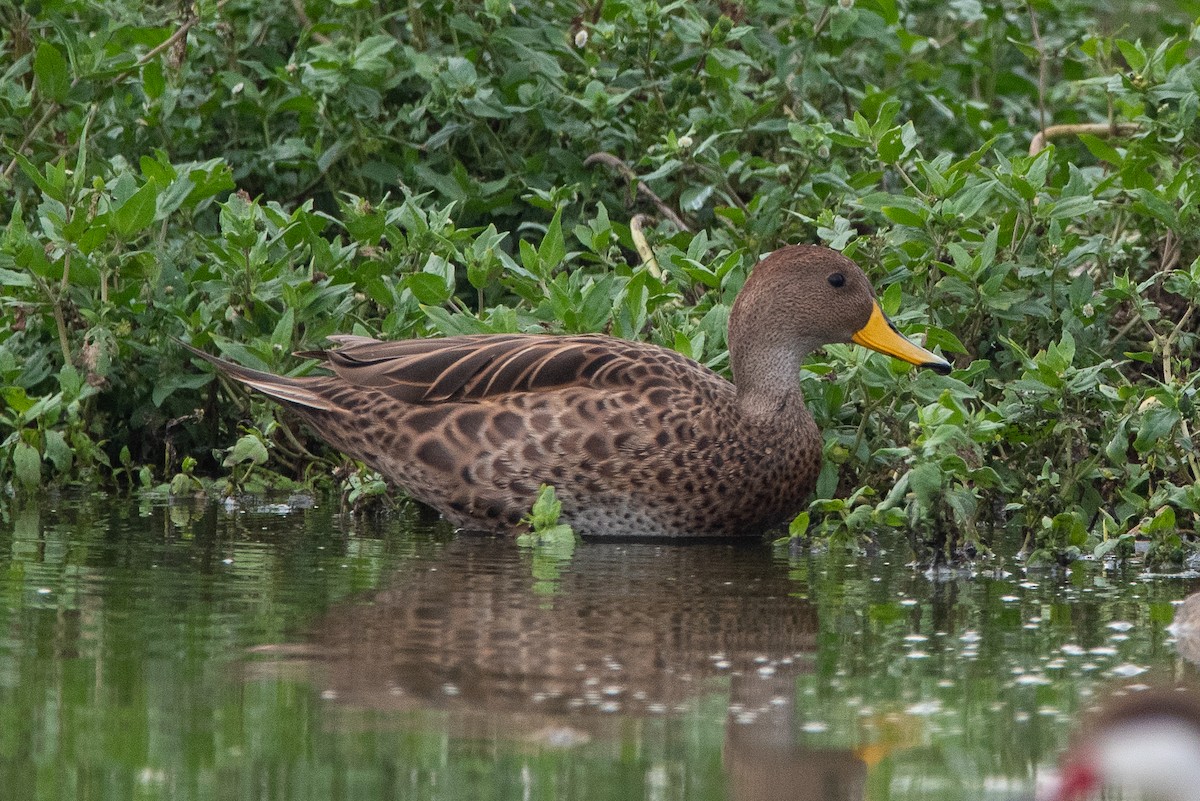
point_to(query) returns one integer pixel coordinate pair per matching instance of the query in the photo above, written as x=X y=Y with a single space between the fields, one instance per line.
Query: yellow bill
x=879 y=334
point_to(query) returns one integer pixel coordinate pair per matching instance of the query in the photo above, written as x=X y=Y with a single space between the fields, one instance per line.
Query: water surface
x=213 y=652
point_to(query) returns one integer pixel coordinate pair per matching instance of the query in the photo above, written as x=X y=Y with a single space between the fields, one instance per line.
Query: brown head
x=800 y=298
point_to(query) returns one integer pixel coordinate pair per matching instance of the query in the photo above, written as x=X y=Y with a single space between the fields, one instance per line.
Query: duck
x=637 y=440
x=1143 y=744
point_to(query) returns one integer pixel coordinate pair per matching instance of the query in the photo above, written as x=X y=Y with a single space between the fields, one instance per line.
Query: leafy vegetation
x=254 y=178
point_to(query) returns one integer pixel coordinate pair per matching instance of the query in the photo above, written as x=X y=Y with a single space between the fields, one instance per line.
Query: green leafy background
x=254 y=176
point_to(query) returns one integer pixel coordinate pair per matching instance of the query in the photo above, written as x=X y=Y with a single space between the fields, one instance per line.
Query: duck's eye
x=837 y=280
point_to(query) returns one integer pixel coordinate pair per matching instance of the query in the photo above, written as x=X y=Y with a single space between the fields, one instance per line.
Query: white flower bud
x=581 y=37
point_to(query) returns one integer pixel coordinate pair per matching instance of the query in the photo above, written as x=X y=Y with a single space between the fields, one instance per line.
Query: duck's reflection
x=626 y=633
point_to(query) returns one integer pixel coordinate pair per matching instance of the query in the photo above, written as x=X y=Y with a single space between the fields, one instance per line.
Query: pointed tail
x=289 y=390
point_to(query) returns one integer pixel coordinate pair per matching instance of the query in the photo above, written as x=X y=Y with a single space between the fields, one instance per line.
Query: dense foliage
x=252 y=177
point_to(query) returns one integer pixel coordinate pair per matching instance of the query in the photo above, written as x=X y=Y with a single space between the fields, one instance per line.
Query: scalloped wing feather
x=466 y=368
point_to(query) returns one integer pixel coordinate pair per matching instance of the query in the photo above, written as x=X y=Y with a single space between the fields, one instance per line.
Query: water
x=201 y=652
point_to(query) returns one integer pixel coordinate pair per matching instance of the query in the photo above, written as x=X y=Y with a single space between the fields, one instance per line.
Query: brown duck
x=637 y=440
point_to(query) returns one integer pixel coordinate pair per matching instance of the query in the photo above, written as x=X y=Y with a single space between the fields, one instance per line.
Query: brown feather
x=472 y=368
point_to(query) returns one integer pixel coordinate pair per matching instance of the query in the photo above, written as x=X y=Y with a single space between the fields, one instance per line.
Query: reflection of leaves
x=552 y=543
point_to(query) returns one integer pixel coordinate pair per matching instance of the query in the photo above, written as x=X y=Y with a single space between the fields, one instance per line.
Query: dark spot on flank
x=662 y=438
x=659 y=397
x=470 y=422
x=458 y=506
x=718 y=460
x=427 y=419
x=557 y=471
x=466 y=475
x=493 y=511
x=513 y=518
x=665 y=476
x=434 y=454
x=622 y=440
x=531 y=453
x=508 y=424
x=596 y=447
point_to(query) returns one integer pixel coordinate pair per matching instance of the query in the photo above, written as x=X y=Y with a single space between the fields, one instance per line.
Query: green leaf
x=897 y=143
x=1103 y=549
x=1070 y=208
x=1149 y=202
x=553 y=248
x=164 y=388
x=153 y=82
x=1029 y=51
x=249 y=448
x=1163 y=521
x=281 y=337
x=1157 y=422
x=1135 y=57
x=27 y=465
x=694 y=197
x=428 y=288
x=925 y=480
x=51 y=73
x=936 y=337
x=14 y=278
x=903 y=216
x=58 y=451
x=53 y=183
x=137 y=212
x=1101 y=149
x=17 y=398
x=799 y=525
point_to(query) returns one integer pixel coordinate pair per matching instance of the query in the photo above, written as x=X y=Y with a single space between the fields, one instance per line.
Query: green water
x=205 y=652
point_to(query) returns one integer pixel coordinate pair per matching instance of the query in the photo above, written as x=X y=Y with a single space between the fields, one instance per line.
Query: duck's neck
x=767 y=376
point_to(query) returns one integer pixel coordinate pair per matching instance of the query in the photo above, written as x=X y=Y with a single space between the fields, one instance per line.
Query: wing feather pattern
x=482 y=366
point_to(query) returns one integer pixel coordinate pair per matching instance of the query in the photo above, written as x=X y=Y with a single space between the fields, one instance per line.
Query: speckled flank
x=661 y=462
x=636 y=439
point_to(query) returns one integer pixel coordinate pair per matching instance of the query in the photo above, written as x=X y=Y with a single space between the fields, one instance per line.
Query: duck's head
x=800 y=298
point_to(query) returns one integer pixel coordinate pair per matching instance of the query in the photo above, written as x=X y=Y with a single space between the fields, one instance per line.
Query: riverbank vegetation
x=1019 y=179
